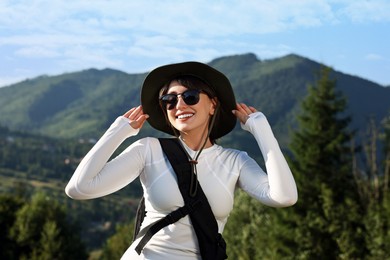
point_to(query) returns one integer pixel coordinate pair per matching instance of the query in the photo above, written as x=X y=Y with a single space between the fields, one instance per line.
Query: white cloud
x=66 y=23
x=363 y=11
x=173 y=17
x=37 y=52
x=374 y=57
x=101 y=33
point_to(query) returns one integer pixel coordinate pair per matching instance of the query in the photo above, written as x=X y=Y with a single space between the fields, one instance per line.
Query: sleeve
x=277 y=187
x=95 y=176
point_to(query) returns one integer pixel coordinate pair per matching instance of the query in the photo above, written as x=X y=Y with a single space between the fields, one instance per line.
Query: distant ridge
x=84 y=103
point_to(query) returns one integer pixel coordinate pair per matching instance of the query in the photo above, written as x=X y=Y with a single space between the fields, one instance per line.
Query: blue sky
x=57 y=36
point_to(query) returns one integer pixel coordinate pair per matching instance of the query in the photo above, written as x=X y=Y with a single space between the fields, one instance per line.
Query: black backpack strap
x=212 y=246
x=153 y=228
x=182 y=164
x=211 y=243
x=139 y=217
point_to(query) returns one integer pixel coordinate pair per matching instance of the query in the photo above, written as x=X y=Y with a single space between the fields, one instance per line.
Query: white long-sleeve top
x=220 y=171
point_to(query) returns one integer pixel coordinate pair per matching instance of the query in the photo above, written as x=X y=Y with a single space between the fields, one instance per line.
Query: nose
x=180 y=102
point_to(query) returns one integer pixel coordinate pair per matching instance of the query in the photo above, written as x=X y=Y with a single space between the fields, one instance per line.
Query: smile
x=184 y=116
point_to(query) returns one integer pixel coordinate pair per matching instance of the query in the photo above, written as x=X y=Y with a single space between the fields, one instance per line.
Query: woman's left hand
x=243 y=111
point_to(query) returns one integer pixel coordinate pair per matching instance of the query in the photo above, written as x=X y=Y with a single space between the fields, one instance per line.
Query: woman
x=195 y=103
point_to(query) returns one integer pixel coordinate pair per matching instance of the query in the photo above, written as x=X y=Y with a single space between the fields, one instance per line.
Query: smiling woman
x=195 y=104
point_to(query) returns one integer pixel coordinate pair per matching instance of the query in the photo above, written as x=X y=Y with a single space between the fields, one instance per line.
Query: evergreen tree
x=374 y=184
x=118 y=243
x=50 y=243
x=8 y=207
x=249 y=228
x=327 y=215
x=386 y=152
x=41 y=231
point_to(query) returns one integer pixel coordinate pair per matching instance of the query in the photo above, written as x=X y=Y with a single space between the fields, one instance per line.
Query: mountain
x=69 y=105
x=84 y=103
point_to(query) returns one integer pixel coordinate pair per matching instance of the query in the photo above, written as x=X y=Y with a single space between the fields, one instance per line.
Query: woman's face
x=190 y=119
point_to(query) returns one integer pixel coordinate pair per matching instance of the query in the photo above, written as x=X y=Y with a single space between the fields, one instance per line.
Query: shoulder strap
x=211 y=243
x=181 y=164
x=139 y=217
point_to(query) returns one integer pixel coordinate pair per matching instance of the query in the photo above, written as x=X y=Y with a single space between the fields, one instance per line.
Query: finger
x=241 y=107
x=253 y=110
x=139 y=122
x=137 y=112
x=127 y=114
x=239 y=112
x=246 y=108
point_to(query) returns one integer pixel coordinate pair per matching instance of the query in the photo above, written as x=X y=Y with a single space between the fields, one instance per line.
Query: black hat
x=160 y=76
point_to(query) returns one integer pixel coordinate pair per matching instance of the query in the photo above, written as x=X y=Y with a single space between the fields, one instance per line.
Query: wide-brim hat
x=160 y=76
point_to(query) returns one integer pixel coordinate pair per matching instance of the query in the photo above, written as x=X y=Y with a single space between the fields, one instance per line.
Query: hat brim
x=158 y=77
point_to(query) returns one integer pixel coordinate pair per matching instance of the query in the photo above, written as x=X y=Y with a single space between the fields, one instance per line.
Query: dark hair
x=190 y=82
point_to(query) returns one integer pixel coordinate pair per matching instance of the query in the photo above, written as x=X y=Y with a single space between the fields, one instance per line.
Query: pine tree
x=117 y=244
x=374 y=183
x=8 y=207
x=248 y=229
x=327 y=215
x=41 y=231
x=386 y=152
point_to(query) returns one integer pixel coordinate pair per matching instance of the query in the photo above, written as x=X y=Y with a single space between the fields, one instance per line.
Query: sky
x=59 y=36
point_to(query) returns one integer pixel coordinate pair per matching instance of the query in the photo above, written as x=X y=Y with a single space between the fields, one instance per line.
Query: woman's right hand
x=136 y=116
x=243 y=111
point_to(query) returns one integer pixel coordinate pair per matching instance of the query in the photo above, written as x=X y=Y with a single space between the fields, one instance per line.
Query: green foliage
x=69 y=105
x=326 y=223
x=31 y=163
x=323 y=137
x=54 y=100
x=118 y=243
x=373 y=181
x=327 y=216
x=377 y=224
x=38 y=229
x=246 y=232
x=8 y=207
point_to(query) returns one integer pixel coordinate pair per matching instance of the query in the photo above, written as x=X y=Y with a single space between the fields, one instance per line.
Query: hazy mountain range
x=84 y=103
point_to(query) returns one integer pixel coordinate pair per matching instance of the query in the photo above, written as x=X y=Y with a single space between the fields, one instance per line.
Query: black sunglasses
x=190 y=97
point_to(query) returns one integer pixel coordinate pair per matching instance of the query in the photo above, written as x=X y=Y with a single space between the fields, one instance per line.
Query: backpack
x=211 y=243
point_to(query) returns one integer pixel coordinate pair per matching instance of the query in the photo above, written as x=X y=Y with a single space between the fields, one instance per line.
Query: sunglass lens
x=191 y=97
x=169 y=100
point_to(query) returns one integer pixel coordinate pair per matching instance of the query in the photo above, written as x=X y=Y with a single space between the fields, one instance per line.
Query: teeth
x=184 y=116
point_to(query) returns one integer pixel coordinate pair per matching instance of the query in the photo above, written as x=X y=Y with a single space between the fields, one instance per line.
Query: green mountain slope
x=277 y=87
x=83 y=104
x=69 y=105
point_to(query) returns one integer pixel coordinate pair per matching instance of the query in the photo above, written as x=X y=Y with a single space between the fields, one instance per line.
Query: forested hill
x=83 y=104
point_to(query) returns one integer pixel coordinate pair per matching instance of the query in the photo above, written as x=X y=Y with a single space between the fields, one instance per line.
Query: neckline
x=193 y=152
